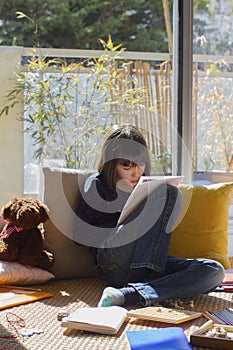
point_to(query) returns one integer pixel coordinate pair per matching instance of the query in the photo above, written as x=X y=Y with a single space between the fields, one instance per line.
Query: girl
x=133 y=256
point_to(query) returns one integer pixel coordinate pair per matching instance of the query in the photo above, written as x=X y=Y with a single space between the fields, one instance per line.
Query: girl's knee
x=215 y=269
x=212 y=264
x=218 y=267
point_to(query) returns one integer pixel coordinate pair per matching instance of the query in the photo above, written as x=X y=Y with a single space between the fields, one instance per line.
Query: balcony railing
x=153 y=72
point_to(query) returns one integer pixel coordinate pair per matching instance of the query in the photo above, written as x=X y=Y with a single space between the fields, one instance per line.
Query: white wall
x=11 y=130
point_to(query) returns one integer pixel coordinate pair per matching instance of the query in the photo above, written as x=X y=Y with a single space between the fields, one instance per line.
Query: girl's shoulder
x=97 y=182
x=91 y=181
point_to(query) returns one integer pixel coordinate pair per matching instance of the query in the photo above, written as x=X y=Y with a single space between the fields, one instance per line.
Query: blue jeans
x=144 y=263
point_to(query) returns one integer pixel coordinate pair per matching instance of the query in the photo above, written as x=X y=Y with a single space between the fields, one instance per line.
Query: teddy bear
x=22 y=238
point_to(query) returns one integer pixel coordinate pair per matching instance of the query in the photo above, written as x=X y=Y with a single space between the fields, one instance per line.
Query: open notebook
x=144 y=187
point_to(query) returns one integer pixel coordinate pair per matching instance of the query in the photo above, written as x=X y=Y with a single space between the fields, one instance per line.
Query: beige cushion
x=61 y=195
x=12 y=272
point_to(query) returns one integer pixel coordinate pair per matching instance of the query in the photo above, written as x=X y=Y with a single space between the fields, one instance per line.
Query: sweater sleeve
x=99 y=205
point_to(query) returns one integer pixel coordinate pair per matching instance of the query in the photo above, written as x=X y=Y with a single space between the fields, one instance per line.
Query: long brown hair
x=124 y=143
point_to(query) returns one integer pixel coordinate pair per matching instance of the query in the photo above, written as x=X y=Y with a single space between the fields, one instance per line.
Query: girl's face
x=130 y=172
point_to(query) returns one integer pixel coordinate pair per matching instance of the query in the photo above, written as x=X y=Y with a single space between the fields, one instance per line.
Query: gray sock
x=132 y=297
x=111 y=296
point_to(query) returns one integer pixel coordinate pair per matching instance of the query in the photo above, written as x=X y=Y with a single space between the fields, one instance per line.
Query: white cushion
x=18 y=274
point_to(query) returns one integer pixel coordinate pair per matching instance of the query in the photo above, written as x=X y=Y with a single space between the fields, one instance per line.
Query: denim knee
x=215 y=272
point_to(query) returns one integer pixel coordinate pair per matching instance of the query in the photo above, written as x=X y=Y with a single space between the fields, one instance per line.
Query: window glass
x=213 y=90
x=131 y=82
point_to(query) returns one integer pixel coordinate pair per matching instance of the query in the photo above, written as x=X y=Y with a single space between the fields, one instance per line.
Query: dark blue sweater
x=100 y=205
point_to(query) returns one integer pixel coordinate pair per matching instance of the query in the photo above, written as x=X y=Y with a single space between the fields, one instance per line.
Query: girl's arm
x=92 y=205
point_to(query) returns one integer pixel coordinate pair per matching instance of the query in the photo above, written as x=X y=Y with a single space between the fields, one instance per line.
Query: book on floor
x=17 y=295
x=227 y=283
x=170 y=338
x=105 y=320
x=228 y=278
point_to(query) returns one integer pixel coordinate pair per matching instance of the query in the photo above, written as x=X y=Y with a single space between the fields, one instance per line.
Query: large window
x=213 y=88
x=213 y=97
x=71 y=108
x=186 y=110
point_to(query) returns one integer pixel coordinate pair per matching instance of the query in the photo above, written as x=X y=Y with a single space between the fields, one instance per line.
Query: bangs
x=132 y=162
x=131 y=153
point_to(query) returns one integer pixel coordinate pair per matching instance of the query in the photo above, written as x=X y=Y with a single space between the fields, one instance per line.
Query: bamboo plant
x=67 y=107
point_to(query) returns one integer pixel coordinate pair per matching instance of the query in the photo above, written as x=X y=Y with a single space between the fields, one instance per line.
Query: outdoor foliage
x=67 y=107
x=215 y=118
x=136 y=24
x=78 y=24
x=82 y=99
x=213 y=25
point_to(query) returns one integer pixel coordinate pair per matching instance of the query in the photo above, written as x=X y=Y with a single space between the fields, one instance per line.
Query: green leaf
x=20 y=14
x=5 y=111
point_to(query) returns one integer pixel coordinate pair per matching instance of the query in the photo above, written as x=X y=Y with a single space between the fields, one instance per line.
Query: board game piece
x=211 y=336
x=163 y=314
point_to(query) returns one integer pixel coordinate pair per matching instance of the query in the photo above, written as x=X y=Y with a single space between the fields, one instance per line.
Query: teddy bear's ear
x=5 y=212
x=44 y=212
x=7 y=208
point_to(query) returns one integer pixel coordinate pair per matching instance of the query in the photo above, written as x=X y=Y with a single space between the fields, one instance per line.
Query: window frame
x=182 y=86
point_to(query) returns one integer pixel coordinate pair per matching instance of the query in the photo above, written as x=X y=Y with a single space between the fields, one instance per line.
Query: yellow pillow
x=202 y=227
